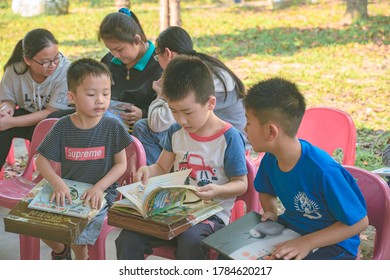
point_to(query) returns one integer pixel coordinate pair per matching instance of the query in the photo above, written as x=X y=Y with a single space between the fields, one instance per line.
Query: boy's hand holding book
x=94 y=197
x=61 y=194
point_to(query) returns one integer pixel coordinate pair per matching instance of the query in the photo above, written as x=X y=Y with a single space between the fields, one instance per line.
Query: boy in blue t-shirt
x=212 y=148
x=322 y=200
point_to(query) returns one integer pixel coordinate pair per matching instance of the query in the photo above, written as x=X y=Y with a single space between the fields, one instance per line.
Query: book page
x=138 y=194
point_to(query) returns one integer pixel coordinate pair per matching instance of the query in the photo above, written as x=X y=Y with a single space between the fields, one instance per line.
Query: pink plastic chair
x=330 y=129
x=14 y=189
x=377 y=195
x=247 y=202
x=136 y=158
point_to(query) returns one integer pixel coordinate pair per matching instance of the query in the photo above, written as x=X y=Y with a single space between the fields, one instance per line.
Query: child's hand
x=295 y=249
x=269 y=216
x=157 y=87
x=93 y=196
x=208 y=192
x=60 y=195
x=143 y=174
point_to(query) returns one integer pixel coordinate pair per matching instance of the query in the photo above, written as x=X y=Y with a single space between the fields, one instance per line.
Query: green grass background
x=346 y=67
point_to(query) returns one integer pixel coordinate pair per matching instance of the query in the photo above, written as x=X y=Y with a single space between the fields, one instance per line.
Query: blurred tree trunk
x=169 y=13
x=122 y=3
x=356 y=9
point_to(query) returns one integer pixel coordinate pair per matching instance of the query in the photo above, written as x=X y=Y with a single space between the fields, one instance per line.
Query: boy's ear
x=71 y=97
x=273 y=131
x=211 y=103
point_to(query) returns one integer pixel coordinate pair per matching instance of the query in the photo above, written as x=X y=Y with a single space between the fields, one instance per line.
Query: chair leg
x=98 y=250
x=11 y=155
x=29 y=247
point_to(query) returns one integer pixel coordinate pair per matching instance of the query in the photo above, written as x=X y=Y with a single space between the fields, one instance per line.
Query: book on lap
x=248 y=238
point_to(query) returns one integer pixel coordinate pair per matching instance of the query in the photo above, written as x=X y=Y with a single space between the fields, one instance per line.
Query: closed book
x=248 y=238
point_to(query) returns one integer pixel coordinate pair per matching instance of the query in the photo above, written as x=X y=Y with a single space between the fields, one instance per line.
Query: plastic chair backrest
x=245 y=203
x=330 y=129
x=136 y=158
x=377 y=196
x=14 y=189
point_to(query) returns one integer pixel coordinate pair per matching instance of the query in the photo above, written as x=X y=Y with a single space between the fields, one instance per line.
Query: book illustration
x=116 y=108
x=384 y=171
x=248 y=238
x=42 y=194
x=159 y=194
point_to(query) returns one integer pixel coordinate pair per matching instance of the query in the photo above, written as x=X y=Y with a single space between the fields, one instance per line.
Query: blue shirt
x=316 y=193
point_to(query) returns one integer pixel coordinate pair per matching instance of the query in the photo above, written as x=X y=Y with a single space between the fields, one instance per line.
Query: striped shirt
x=86 y=155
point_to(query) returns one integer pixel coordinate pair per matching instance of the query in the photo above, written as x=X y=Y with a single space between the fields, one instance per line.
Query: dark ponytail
x=32 y=43
x=178 y=40
x=121 y=26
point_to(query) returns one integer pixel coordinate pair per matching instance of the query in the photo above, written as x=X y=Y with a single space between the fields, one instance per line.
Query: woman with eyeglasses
x=33 y=86
x=131 y=63
x=229 y=91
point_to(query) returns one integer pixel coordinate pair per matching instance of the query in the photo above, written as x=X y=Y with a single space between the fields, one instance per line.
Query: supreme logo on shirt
x=81 y=154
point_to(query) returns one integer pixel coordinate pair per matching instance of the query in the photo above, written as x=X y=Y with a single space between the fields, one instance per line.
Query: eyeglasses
x=156 y=55
x=47 y=62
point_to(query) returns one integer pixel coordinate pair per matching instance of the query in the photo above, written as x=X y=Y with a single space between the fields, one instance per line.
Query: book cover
x=384 y=171
x=40 y=200
x=116 y=108
x=42 y=224
x=165 y=225
x=248 y=238
x=159 y=194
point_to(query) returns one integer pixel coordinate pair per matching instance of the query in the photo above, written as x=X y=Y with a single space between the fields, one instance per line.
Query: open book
x=43 y=191
x=158 y=195
x=248 y=238
x=116 y=108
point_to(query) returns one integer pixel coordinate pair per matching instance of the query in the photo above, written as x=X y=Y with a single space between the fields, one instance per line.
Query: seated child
x=89 y=84
x=321 y=198
x=200 y=134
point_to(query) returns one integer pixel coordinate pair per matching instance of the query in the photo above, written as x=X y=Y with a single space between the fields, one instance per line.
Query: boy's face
x=256 y=132
x=190 y=114
x=92 y=96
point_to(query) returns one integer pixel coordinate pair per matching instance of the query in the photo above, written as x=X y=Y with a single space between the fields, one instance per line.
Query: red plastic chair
x=245 y=203
x=377 y=196
x=329 y=129
x=136 y=158
x=14 y=189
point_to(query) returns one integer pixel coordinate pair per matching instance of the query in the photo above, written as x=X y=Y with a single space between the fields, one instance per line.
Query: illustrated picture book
x=116 y=108
x=164 y=225
x=44 y=190
x=158 y=195
x=42 y=224
x=248 y=238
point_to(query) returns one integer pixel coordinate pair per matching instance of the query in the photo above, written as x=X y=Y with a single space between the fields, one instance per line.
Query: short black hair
x=83 y=67
x=186 y=74
x=277 y=100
